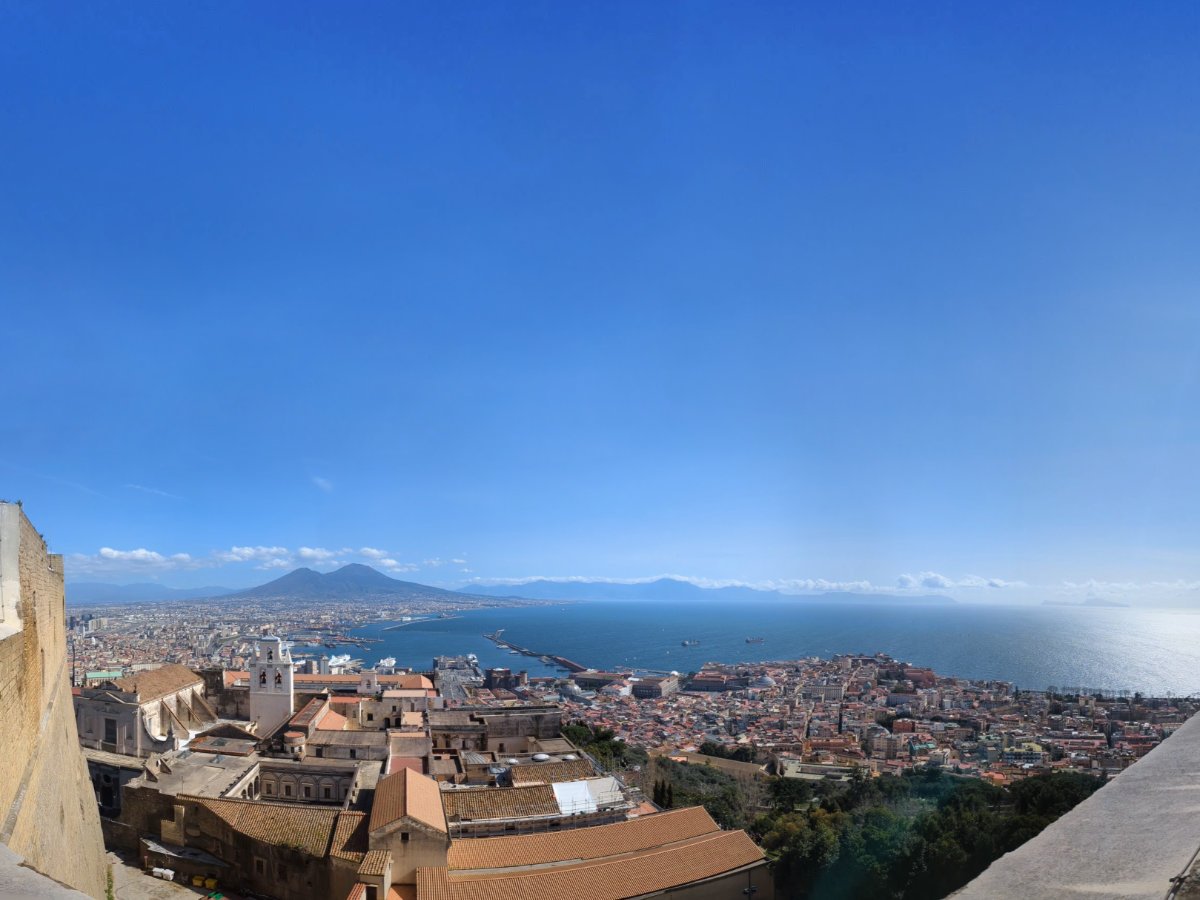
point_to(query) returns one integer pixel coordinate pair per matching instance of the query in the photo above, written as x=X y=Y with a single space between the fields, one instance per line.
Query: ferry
x=387 y=662
x=339 y=660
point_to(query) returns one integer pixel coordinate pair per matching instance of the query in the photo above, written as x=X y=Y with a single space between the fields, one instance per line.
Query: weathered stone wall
x=48 y=811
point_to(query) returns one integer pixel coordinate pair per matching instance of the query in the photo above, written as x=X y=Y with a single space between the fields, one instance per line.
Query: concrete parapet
x=1125 y=842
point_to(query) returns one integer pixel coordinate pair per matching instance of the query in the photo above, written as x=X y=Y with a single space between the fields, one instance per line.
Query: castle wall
x=48 y=812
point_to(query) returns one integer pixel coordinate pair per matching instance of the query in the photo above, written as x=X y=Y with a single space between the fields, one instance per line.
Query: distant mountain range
x=352 y=582
x=95 y=592
x=359 y=582
x=677 y=589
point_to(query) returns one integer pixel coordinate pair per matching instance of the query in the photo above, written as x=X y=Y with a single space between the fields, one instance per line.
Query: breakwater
x=561 y=661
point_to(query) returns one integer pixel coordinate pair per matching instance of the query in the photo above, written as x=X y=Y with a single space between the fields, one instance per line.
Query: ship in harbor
x=388 y=662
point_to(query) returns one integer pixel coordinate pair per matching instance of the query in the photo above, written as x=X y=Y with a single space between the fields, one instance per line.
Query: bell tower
x=272 y=694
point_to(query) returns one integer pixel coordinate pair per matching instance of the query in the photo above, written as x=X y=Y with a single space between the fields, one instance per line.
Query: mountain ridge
x=351 y=582
x=678 y=589
x=80 y=592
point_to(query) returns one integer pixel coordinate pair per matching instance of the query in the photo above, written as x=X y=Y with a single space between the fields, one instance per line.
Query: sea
x=1156 y=652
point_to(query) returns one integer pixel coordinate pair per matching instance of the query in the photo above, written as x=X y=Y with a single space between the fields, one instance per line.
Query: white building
x=272 y=692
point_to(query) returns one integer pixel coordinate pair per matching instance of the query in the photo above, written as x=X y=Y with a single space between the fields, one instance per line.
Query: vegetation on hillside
x=915 y=837
x=604 y=746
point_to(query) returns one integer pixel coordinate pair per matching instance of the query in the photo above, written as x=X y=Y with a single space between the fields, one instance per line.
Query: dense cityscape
x=853 y=710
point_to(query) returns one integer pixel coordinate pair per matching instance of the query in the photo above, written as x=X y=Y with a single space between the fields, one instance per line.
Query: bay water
x=1149 y=650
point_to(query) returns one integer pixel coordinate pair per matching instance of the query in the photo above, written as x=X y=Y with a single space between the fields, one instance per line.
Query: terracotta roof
x=552 y=772
x=350 y=837
x=396 y=763
x=307 y=828
x=501 y=803
x=375 y=863
x=630 y=875
x=153 y=684
x=407 y=794
x=580 y=844
x=410 y=681
x=332 y=721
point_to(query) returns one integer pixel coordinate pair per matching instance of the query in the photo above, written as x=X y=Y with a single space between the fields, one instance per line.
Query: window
x=287 y=790
x=370 y=717
x=326 y=792
x=404 y=836
x=320 y=751
x=307 y=791
x=260 y=866
x=353 y=753
x=270 y=787
x=110 y=731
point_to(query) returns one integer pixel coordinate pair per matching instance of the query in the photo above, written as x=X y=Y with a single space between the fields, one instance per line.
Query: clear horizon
x=896 y=298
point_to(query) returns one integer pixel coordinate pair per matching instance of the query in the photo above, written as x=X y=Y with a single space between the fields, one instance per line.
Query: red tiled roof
x=154 y=684
x=501 y=803
x=630 y=875
x=581 y=843
x=407 y=794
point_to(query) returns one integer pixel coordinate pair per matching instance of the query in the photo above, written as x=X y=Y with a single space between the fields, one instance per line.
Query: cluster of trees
x=916 y=837
x=604 y=746
x=663 y=794
x=732 y=801
x=741 y=753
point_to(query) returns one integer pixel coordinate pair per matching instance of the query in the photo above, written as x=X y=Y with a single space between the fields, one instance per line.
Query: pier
x=561 y=661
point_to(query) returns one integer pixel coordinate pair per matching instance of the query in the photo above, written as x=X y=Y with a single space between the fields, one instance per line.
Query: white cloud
x=395 y=566
x=459 y=562
x=276 y=564
x=111 y=560
x=934 y=581
x=315 y=554
x=323 y=483
x=373 y=553
x=251 y=554
x=141 y=555
x=433 y=563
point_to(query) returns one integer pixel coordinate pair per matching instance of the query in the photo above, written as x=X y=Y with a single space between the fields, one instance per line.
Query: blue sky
x=899 y=295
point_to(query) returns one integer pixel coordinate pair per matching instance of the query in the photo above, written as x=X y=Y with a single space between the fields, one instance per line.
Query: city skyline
x=894 y=297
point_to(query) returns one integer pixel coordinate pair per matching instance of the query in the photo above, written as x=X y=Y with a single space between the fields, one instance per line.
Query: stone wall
x=48 y=811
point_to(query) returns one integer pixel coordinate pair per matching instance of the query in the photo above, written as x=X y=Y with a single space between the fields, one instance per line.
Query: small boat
x=387 y=662
x=689 y=643
x=750 y=640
